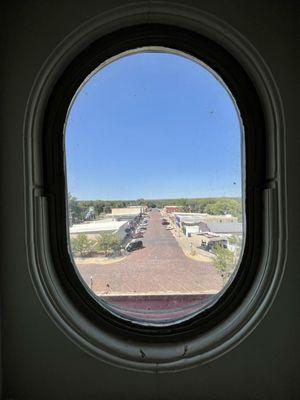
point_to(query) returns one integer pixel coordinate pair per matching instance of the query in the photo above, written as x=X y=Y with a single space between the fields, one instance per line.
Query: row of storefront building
x=210 y=230
x=118 y=222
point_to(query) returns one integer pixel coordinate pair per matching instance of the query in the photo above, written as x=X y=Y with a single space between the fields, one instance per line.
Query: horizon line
x=165 y=198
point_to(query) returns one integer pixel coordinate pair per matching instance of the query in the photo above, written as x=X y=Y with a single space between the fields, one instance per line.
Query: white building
x=193 y=218
x=127 y=213
x=191 y=229
x=229 y=228
x=95 y=228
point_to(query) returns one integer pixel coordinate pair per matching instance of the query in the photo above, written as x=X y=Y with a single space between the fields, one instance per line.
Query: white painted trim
x=123 y=350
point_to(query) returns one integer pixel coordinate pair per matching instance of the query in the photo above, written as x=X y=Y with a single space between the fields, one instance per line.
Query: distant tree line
x=78 y=209
x=212 y=205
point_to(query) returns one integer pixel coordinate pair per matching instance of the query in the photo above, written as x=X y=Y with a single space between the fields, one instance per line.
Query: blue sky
x=153 y=125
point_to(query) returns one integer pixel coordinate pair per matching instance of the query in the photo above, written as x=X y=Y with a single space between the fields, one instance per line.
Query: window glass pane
x=154 y=166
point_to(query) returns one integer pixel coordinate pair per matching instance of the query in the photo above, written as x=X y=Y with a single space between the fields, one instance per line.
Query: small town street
x=159 y=268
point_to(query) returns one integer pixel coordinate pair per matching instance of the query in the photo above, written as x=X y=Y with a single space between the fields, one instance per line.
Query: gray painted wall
x=38 y=361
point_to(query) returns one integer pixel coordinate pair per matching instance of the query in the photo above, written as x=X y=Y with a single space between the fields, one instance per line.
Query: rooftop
x=190 y=214
x=226 y=227
x=126 y=211
x=102 y=225
x=213 y=237
x=203 y=217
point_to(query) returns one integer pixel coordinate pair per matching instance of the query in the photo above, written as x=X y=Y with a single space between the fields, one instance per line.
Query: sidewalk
x=189 y=246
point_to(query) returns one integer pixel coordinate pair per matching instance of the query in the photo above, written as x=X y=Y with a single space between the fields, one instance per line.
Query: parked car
x=140 y=230
x=134 y=245
x=138 y=235
x=165 y=223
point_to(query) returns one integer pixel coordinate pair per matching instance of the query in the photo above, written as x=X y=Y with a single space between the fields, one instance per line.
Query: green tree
x=225 y=206
x=183 y=203
x=77 y=209
x=99 y=206
x=223 y=261
x=234 y=239
x=83 y=245
x=141 y=202
x=108 y=242
x=120 y=204
x=237 y=241
x=151 y=204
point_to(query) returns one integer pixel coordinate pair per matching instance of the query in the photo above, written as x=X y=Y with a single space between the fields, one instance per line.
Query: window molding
x=144 y=350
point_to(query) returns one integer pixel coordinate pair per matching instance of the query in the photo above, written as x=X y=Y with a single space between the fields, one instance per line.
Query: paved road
x=160 y=267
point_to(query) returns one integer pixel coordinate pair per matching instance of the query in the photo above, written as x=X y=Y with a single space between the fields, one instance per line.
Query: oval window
x=154 y=156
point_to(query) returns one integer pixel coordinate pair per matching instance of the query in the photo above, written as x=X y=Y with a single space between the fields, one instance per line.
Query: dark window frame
x=248 y=103
x=69 y=305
